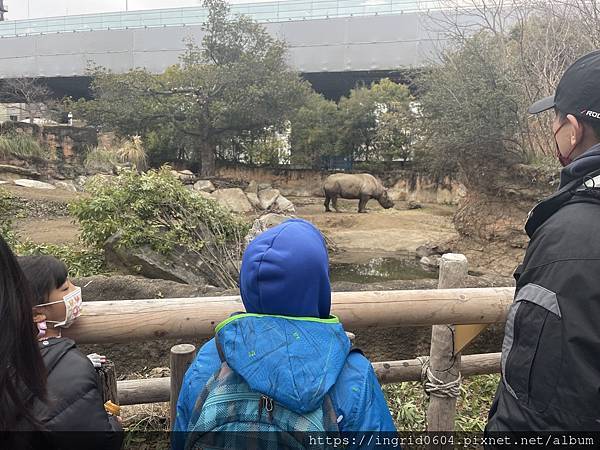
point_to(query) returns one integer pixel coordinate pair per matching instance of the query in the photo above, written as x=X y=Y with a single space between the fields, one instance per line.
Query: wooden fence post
x=444 y=366
x=182 y=356
x=107 y=380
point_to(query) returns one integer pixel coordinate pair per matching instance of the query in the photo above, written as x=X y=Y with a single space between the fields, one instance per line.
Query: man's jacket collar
x=573 y=177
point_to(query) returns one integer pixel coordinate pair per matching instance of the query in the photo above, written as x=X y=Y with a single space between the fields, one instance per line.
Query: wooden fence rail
x=139 y=320
x=153 y=390
x=128 y=321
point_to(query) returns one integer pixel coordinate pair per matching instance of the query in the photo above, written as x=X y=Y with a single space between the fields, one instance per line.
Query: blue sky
x=20 y=9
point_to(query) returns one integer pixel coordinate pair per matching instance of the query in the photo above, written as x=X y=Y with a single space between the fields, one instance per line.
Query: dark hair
x=22 y=370
x=45 y=273
x=592 y=123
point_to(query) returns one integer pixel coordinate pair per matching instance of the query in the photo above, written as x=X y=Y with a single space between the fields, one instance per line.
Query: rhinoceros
x=355 y=186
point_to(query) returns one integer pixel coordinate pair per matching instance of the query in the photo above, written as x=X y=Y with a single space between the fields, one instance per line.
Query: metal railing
x=276 y=11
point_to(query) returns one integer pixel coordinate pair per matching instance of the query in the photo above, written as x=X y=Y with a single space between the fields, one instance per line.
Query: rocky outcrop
x=252 y=188
x=432 y=249
x=269 y=220
x=179 y=265
x=234 y=199
x=34 y=184
x=430 y=262
x=263 y=223
x=204 y=186
x=267 y=198
x=66 y=186
x=10 y=172
x=283 y=205
x=203 y=194
x=185 y=176
x=252 y=199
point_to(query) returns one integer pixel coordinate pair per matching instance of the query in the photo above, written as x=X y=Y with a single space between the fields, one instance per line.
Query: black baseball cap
x=578 y=92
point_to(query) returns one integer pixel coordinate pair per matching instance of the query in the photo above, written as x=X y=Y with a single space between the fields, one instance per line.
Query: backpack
x=228 y=414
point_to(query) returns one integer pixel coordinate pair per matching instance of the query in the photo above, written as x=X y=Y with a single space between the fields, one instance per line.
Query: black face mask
x=564 y=160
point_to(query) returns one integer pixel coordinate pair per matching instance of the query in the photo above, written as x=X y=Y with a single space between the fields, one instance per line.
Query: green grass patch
x=408 y=404
x=21 y=146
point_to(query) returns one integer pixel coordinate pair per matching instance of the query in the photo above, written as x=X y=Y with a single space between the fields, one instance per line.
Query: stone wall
x=65 y=142
x=72 y=142
x=404 y=185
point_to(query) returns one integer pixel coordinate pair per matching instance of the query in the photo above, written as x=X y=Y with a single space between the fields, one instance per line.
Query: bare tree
x=588 y=14
x=536 y=40
x=30 y=96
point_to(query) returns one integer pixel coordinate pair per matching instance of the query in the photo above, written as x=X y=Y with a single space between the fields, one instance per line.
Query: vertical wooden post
x=444 y=365
x=107 y=380
x=182 y=356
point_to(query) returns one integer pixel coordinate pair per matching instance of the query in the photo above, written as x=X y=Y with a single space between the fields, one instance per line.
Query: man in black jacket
x=551 y=350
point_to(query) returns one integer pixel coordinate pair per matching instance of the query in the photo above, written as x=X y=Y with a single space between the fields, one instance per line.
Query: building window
x=13 y=118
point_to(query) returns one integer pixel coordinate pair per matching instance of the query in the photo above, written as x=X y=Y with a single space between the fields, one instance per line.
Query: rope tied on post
x=436 y=387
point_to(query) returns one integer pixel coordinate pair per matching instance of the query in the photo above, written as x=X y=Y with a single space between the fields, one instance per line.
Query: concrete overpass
x=366 y=38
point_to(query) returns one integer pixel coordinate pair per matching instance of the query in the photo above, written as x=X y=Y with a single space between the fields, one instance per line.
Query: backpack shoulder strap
x=219 y=349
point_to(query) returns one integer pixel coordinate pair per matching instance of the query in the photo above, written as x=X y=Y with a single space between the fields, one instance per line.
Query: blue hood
x=288 y=347
x=285 y=271
x=293 y=360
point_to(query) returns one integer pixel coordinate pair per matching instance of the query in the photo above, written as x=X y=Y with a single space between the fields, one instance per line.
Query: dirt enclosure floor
x=394 y=232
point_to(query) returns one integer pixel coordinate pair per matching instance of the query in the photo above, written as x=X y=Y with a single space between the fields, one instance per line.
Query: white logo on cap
x=593 y=114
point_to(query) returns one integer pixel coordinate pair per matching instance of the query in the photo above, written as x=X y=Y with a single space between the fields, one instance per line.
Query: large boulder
x=179 y=265
x=263 y=223
x=203 y=194
x=253 y=199
x=252 y=188
x=66 y=185
x=430 y=249
x=9 y=172
x=233 y=199
x=283 y=205
x=430 y=262
x=263 y=186
x=267 y=197
x=185 y=176
x=204 y=186
x=34 y=184
x=269 y=220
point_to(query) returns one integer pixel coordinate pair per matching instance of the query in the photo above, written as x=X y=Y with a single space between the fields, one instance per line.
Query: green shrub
x=101 y=159
x=408 y=404
x=132 y=151
x=21 y=146
x=155 y=209
x=81 y=261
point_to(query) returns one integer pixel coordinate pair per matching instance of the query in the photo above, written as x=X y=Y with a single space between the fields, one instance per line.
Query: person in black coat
x=73 y=412
x=550 y=364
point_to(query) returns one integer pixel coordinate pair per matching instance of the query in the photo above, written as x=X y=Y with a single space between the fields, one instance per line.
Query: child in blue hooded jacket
x=284 y=284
